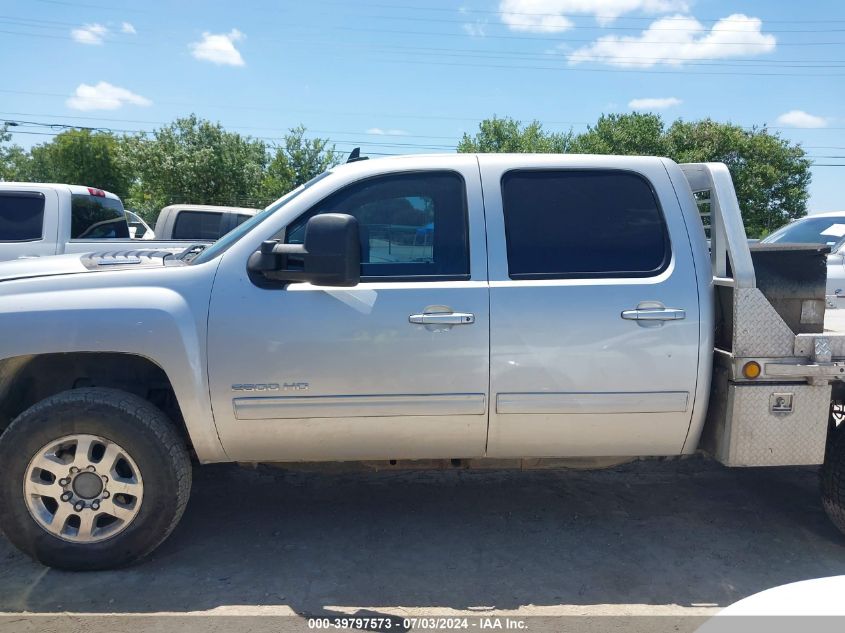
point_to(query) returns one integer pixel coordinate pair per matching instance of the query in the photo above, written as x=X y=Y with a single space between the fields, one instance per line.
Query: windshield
x=826 y=230
x=224 y=243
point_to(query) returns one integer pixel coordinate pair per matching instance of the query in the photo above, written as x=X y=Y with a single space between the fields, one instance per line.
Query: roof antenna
x=355 y=156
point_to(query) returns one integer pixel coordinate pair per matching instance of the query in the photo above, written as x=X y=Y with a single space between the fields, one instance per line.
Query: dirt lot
x=650 y=538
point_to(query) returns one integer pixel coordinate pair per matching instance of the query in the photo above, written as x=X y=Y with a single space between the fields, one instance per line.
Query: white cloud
x=104 y=96
x=90 y=34
x=128 y=28
x=799 y=118
x=474 y=29
x=382 y=132
x=654 y=103
x=219 y=48
x=550 y=16
x=677 y=39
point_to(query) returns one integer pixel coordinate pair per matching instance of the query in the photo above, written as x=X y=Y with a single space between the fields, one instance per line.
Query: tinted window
x=198 y=225
x=21 y=216
x=97 y=218
x=827 y=230
x=240 y=218
x=563 y=224
x=412 y=225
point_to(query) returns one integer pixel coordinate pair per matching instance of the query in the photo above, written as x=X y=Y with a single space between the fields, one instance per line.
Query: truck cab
x=486 y=321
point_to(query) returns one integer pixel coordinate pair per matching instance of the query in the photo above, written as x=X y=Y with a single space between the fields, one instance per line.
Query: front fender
x=166 y=325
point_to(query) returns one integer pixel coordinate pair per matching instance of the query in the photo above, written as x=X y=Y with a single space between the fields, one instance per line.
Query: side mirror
x=330 y=256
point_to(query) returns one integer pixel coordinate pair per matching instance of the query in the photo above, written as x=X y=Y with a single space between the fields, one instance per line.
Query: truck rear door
x=594 y=309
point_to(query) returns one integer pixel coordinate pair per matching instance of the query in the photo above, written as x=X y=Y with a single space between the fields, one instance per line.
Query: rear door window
x=563 y=224
x=21 y=216
x=198 y=225
x=97 y=218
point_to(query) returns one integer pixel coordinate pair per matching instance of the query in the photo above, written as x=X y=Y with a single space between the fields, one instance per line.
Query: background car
x=820 y=228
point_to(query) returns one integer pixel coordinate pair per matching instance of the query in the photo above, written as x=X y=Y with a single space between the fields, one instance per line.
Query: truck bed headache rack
x=771 y=318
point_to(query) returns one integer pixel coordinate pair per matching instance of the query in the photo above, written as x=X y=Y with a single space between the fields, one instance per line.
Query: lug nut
x=73 y=470
x=105 y=479
x=64 y=481
x=106 y=494
x=95 y=505
x=91 y=468
x=79 y=507
x=66 y=496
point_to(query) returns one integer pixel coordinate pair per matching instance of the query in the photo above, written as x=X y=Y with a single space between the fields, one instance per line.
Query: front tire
x=92 y=479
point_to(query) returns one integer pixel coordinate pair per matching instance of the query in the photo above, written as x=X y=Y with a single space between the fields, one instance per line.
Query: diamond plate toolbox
x=772 y=425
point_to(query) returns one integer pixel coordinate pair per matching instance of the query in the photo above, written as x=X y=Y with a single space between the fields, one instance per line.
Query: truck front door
x=394 y=368
x=594 y=308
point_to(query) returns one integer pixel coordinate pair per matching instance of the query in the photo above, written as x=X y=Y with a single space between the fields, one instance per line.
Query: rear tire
x=92 y=479
x=833 y=477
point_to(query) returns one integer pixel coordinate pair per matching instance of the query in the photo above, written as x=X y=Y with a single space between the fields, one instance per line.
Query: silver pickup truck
x=506 y=310
x=38 y=219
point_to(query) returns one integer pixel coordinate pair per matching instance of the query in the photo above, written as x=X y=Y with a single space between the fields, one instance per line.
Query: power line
x=351 y=143
x=605 y=27
x=558 y=14
x=465 y=11
x=370 y=114
x=623 y=64
x=430 y=34
x=235 y=127
x=626 y=69
x=565 y=40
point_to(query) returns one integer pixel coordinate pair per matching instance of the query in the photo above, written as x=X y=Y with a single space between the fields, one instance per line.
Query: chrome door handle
x=654 y=314
x=443 y=318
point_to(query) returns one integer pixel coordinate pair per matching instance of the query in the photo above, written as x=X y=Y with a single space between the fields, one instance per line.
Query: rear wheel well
x=26 y=380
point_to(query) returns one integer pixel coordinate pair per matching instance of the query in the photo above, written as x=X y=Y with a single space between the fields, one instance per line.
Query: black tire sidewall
x=833 y=477
x=36 y=428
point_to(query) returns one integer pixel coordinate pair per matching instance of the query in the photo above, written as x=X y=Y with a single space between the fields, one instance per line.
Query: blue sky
x=404 y=77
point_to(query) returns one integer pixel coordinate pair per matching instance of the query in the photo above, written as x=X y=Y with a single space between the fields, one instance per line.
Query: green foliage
x=630 y=134
x=13 y=159
x=296 y=161
x=82 y=157
x=770 y=174
x=194 y=161
x=509 y=135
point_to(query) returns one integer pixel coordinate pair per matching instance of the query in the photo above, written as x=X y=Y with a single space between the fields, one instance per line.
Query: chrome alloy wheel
x=83 y=488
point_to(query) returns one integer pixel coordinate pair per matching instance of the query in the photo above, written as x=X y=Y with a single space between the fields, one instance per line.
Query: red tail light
x=96 y=192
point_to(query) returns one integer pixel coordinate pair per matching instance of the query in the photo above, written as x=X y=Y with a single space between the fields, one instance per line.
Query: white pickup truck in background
x=38 y=219
x=199 y=221
x=467 y=309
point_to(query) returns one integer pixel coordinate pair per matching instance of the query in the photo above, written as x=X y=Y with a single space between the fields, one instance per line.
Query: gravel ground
x=651 y=538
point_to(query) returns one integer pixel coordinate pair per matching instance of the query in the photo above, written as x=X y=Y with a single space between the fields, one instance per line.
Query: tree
x=770 y=174
x=81 y=157
x=13 y=159
x=196 y=161
x=635 y=134
x=510 y=135
x=296 y=161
